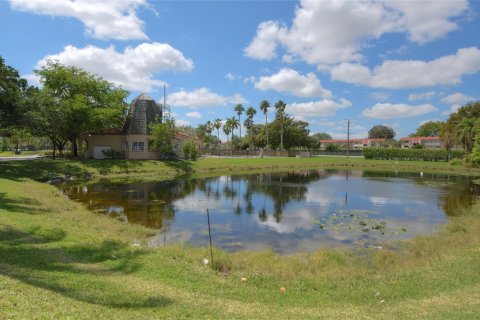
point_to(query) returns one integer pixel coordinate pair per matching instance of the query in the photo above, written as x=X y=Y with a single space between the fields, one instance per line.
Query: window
x=137 y=146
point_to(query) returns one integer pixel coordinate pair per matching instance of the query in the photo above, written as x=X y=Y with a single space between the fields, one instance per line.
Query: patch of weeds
x=356 y=220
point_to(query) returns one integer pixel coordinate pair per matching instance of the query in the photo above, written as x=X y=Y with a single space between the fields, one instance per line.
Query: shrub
x=190 y=150
x=112 y=154
x=332 y=147
x=411 y=154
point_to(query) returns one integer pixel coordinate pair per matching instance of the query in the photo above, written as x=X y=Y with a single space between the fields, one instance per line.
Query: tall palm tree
x=217 y=124
x=232 y=124
x=280 y=107
x=248 y=123
x=227 y=128
x=264 y=105
x=239 y=110
x=466 y=132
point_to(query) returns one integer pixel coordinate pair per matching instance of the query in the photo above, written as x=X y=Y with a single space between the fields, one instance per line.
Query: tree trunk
x=73 y=141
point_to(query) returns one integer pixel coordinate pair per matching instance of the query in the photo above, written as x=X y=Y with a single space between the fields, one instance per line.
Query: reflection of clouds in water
x=198 y=203
x=291 y=221
x=382 y=201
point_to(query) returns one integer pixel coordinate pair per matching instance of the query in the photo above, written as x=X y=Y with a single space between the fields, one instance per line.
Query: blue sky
x=398 y=63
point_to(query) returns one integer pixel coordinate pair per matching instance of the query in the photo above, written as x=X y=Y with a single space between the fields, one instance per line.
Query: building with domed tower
x=132 y=141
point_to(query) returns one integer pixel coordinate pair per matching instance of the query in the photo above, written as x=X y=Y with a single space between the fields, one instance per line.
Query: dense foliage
x=429 y=129
x=411 y=154
x=162 y=137
x=381 y=132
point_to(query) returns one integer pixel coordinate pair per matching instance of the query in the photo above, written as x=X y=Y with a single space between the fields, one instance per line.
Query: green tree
x=217 y=124
x=12 y=92
x=86 y=102
x=466 y=131
x=429 y=129
x=264 y=106
x=280 y=107
x=239 y=110
x=248 y=123
x=296 y=133
x=232 y=124
x=381 y=132
x=162 y=135
x=315 y=139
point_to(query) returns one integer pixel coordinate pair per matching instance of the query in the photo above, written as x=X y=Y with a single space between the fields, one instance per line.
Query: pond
x=286 y=212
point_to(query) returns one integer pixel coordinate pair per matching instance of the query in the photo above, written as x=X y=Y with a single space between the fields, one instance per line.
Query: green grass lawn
x=59 y=260
x=12 y=154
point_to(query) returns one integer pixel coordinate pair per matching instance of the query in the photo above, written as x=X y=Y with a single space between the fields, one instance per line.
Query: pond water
x=286 y=212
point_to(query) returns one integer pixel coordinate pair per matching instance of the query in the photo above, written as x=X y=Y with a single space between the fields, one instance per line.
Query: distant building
x=354 y=144
x=426 y=142
x=133 y=140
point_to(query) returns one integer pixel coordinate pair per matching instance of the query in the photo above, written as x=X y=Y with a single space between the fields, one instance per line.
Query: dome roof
x=143 y=112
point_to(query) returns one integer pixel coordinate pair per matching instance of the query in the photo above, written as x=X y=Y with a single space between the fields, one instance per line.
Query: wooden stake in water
x=210 y=237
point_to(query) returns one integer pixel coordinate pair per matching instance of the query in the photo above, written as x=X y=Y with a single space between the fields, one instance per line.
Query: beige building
x=133 y=140
x=354 y=144
x=426 y=142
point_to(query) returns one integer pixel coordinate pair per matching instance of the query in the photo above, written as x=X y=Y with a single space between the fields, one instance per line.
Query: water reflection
x=287 y=212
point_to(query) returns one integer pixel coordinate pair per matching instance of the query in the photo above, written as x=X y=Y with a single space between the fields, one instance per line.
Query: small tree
x=162 y=137
x=381 y=132
x=190 y=150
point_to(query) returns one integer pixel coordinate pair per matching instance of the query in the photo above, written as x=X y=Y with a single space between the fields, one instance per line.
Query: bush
x=190 y=150
x=332 y=147
x=411 y=154
x=112 y=154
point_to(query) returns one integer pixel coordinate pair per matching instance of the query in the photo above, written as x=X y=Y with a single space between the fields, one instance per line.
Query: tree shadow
x=181 y=167
x=40 y=170
x=105 y=167
x=71 y=270
x=23 y=205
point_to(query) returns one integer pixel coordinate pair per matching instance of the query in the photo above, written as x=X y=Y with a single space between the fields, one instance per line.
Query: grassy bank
x=58 y=260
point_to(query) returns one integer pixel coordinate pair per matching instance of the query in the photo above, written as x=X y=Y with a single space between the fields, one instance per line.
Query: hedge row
x=411 y=154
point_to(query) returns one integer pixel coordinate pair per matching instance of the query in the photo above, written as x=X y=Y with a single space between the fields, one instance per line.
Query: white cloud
x=321 y=108
x=380 y=96
x=202 y=97
x=180 y=122
x=393 y=111
x=453 y=108
x=395 y=74
x=264 y=44
x=329 y=32
x=134 y=68
x=290 y=81
x=422 y=96
x=102 y=19
x=230 y=76
x=457 y=98
x=194 y=114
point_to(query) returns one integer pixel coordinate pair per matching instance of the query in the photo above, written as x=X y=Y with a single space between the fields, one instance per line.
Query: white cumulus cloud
x=332 y=31
x=133 y=69
x=194 y=114
x=290 y=81
x=393 y=111
x=457 y=98
x=422 y=96
x=102 y=19
x=202 y=97
x=321 y=108
x=396 y=74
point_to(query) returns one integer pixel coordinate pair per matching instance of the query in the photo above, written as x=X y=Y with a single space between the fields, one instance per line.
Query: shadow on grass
x=40 y=170
x=34 y=257
x=105 y=167
x=23 y=205
x=181 y=167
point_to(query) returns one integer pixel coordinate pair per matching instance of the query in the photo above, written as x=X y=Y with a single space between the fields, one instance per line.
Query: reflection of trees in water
x=281 y=188
x=460 y=191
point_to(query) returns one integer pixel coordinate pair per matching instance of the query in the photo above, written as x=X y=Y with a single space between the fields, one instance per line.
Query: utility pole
x=348 y=137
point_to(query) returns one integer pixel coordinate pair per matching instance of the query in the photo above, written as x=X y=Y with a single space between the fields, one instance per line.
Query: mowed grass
x=59 y=260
